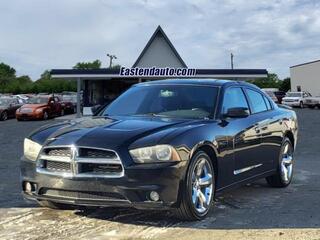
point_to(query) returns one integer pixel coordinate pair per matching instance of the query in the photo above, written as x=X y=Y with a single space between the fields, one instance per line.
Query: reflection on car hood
x=113 y=132
x=34 y=105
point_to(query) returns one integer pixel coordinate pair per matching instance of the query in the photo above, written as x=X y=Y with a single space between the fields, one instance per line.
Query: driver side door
x=243 y=134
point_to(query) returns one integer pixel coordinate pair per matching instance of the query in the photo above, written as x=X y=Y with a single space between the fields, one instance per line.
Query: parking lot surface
x=252 y=211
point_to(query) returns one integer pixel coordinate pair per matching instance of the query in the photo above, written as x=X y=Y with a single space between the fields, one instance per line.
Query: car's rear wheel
x=55 y=205
x=4 y=116
x=284 y=173
x=198 y=189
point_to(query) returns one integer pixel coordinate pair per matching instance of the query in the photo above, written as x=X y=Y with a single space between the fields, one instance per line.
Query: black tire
x=301 y=105
x=4 y=116
x=311 y=107
x=56 y=205
x=45 y=115
x=187 y=211
x=277 y=179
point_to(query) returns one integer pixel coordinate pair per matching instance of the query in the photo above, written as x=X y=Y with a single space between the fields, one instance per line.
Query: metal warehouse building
x=102 y=85
x=306 y=77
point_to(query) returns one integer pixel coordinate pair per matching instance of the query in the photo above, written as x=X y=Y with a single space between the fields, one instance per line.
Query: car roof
x=199 y=81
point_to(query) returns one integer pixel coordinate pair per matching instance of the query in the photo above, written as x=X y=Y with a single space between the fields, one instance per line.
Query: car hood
x=291 y=98
x=33 y=106
x=113 y=133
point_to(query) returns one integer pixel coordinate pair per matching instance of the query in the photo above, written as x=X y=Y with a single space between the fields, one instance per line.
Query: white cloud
x=43 y=34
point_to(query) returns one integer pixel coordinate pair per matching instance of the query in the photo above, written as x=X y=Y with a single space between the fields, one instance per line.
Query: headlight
x=158 y=153
x=39 y=110
x=31 y=149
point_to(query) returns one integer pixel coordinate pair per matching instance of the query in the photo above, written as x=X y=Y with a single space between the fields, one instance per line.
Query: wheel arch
x=290 y=135
x=209 y=149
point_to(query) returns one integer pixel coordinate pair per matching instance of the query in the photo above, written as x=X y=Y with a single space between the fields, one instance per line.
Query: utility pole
x=231 y=60
x=111 y=58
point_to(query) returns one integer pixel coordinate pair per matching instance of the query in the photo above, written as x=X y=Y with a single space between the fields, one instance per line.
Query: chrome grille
x=57 y=166
x=61 y=152
x=70 y=161
x=96 y=153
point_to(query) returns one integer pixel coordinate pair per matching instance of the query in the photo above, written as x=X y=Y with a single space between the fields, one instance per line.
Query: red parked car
x=40 y=107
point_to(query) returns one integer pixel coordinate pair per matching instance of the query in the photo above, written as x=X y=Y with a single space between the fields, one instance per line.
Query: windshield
x=69 y=98
x=294 y=94
x=38 y=100
x=4 y=101
x=184 y=101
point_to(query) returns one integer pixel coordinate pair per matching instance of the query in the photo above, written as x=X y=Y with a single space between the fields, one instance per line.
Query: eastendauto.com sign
x=157 y=72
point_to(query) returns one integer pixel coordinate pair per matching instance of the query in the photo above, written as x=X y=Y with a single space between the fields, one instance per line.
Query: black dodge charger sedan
x=170 y=144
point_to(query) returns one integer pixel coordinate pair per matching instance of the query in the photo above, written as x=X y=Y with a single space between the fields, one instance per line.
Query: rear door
x=266 y=127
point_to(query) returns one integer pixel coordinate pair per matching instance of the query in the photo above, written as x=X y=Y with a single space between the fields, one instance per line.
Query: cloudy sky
x=36 y=35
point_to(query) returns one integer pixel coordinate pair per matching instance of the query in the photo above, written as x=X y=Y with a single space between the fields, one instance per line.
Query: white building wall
x=159 y=54
x=307 y=76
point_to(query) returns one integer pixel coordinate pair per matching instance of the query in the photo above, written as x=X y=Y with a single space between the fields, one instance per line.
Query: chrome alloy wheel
x=4 y=116
x=202 y=185
x=286 y=162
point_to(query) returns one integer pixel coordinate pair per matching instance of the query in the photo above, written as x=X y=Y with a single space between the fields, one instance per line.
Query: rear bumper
x=131 y=190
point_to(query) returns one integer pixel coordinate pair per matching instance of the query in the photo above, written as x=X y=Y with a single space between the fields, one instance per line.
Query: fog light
x=154 y=196
x=28 y=187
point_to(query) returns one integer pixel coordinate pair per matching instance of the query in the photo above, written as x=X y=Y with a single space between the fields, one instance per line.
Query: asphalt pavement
x=254 y=211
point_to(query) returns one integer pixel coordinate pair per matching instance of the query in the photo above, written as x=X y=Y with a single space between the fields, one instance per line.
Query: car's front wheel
x=301 y=104
x=198 y=189
x=283 y=176
x=4 y=116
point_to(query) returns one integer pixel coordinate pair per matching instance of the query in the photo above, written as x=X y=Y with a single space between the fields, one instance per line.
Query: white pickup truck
x=296 y=99
x=313 y=102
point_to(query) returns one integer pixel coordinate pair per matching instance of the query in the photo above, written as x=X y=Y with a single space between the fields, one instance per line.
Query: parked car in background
x=271 y=95
x=296 y=99
x=69 y=103
x=40 y=107
x=312 y=102
x=8 y=107
x=166 y=145
x=21 y=98
x=280 y=95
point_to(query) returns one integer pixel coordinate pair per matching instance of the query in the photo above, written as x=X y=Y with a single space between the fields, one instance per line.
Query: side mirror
x=238 y=112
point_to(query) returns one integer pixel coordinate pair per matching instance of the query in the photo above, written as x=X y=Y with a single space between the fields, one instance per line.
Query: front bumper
x=29 y=116
x=131 y=190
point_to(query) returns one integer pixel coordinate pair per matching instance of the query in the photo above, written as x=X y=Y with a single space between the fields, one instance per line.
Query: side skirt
x=245 y=181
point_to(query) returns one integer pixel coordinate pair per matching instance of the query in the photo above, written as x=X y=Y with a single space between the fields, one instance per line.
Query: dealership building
x=306 y=77
x=102 y=85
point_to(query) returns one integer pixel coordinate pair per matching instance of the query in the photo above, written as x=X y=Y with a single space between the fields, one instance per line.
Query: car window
x=184 y=101
x=257 y=102
x=269 y=107
x=233 y=98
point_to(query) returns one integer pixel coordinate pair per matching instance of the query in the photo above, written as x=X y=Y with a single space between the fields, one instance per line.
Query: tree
x=285 y=85
x=7 y=71
x=271 y=81
x=88 y=65
x=116 y=66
